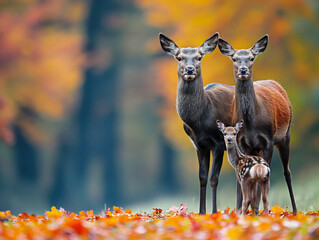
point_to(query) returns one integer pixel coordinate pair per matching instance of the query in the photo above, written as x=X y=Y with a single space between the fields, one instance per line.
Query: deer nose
x=229 y=139
x=243 y=70
x=189 y=70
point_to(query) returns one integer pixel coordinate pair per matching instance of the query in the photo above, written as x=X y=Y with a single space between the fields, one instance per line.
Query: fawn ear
x=220 y=125
x=168 y=45
x=239 y=125
x=225 y=48
x=210 y=44
x=260 y=45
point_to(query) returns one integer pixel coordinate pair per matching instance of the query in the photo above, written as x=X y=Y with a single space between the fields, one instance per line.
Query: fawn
x=249 y=169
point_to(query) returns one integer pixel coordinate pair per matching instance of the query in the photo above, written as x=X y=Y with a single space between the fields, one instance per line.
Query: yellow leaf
x=54 y=213
x=234 y=233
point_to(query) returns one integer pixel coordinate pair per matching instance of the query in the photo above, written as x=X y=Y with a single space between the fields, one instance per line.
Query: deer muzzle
x=189 y=73
x=229 y=140
x=243 y=73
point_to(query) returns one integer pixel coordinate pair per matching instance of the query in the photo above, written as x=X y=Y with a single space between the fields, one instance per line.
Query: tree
x=40 y=69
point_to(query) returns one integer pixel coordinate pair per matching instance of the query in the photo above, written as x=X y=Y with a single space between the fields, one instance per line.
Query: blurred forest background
x=87 y=99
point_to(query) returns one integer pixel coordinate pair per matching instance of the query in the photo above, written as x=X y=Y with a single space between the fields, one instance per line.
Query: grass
x=305 y=187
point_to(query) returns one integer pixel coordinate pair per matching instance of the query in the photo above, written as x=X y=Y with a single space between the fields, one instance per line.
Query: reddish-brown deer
x=265 y=108
x=249 y=169
x=199 y=108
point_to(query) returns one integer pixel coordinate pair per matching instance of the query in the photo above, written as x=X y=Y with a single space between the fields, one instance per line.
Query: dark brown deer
x=249 y=169
x=199 y=108
x=265 y=108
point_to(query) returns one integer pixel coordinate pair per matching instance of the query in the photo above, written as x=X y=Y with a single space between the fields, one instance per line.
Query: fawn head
x=243 y=59
x=230 y=133
x=189 y=59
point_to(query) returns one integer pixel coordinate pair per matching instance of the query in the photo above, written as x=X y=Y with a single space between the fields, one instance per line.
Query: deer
x=265 y=108
x=249 y=169
x=199 y=108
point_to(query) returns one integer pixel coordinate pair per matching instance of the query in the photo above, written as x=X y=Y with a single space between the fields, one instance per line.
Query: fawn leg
x=284 y=151
x=257 y=199
x=253 y=196
x=239 y=200
x=246 y=201
x=264 y=185
x=203 y=160
x=267 y=155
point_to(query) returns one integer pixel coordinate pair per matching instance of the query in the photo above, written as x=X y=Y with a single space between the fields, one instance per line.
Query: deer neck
x=246 y=102
x=190 y=100
x=234 y=155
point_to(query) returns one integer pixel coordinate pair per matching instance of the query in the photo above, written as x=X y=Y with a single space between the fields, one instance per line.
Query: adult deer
x=199 y=108
x=265 y=108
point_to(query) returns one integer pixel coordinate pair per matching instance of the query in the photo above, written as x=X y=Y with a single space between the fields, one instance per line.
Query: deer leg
x=239 y=200
x=267 y=155
x=257 y=199
x=246 y=200
x=239 y=208
x=203 y=159
x=218 y=154
x=253 y=196
x=268 y=151
x=264 y=185
x=284 y=150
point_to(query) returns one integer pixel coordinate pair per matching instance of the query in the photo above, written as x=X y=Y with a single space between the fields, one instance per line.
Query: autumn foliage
x=40 y=60
x=175 y=223
x=291 y=57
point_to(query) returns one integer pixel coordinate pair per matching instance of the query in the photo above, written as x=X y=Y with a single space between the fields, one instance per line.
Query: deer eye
x=225 y=134
x=252 y=59
x=234 y=134
x=178 y=58
x=199 y=58
x=234 y=59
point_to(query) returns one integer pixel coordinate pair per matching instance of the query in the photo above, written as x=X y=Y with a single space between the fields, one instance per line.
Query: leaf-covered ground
x=175 y=223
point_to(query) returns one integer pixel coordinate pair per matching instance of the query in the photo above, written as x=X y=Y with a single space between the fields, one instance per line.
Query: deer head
x=189 y=59
x=230 y=133
x=243 y=59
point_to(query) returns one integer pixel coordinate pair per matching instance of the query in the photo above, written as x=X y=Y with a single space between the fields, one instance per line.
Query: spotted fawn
x=250 y=170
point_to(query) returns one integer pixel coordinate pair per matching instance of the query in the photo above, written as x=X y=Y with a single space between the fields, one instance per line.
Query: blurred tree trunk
x=59 y=190
x=96 y=133
x=116 y=80
x=25 y=152
x=98 y=113
x=168 y=170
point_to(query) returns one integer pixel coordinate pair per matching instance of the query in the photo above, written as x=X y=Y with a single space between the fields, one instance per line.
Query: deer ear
x=239 y=125
x=225 y=48
x=220 y=125
x=210 y=44
x=168 y=45
x=260 y=45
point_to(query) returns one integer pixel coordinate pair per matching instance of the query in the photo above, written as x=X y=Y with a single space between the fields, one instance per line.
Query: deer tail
x=260 y=171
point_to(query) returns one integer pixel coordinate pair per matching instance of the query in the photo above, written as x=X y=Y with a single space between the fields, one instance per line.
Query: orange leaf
x=276 y=209
x=117 y=210
x=128 y=211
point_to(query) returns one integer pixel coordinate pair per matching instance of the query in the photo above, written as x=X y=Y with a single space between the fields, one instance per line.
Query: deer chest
x=252 y=143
